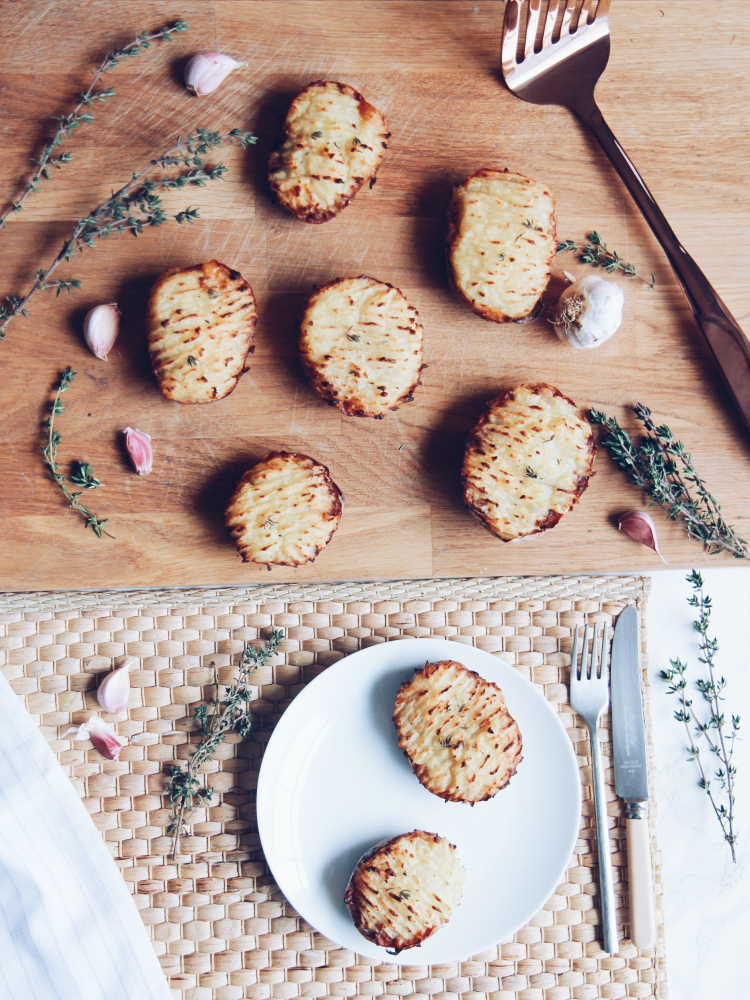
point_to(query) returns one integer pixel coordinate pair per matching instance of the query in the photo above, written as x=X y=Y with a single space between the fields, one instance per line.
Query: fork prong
x=535 y=10
x=583 y=14
x=585 y=654
x=549 y=24
x=510 y=35
x=574 y=657
x=603 y=658
x=602 y=9
x=594 y=656
x=570 y=7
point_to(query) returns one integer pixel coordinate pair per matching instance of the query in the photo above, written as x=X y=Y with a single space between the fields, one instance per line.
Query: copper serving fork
x=565 y=72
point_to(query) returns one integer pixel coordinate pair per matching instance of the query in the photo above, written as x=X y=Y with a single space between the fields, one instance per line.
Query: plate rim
x=369 y=949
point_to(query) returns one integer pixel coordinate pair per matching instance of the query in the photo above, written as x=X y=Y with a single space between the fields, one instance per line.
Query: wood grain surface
x=675 y=94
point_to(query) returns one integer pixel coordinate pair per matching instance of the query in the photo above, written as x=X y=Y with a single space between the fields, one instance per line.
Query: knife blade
x=631 y=772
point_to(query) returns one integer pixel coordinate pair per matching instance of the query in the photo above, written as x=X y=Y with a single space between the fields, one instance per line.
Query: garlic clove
x=138 y=446
x=639 y=526
x=208 y=70
x=589 y=311
x=114 y=691
x=100 y=329
x=103 y=736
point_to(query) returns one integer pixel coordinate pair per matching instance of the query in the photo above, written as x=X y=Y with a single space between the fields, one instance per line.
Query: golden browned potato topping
x=403 y=891
x=500 y=243
x=284 y=510
x=455 y=728
x=527 y=461
x=361 y=346
x=200 y=331
x=332 y=144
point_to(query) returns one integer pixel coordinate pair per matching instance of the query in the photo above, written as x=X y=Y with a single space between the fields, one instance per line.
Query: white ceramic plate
x=333 y=783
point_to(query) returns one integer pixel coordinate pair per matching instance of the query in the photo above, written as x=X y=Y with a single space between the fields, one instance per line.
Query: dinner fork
x=589 y=696
x=565 y=72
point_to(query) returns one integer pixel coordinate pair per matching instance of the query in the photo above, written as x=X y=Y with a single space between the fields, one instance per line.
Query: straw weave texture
x=219 y=924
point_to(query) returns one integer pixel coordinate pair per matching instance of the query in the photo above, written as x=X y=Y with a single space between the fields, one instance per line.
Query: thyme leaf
x=82 y=474
x=596 y=253
x=664 y=471
x=49 y=157
x=718 y=733
x=217 y=716
x=134 y=207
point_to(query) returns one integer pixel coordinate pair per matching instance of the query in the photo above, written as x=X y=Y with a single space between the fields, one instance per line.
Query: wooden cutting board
x=675 y=93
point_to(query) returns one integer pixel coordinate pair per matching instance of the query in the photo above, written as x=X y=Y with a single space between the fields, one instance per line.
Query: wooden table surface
x=675 y=94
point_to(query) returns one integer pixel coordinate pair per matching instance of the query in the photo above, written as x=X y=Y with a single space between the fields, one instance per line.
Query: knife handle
x=642 y=918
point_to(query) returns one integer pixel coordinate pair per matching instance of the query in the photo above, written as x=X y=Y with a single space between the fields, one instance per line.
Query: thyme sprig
x=222 y=714
x=49 y=156
x=596 y=253
x=82 y=473
x=664 y=471
x=134 y=207
x=718 y=733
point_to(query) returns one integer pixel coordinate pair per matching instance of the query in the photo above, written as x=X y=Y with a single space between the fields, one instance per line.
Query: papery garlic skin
x=113 y=693
x=103 y=736
x=639 y=525
x=138 y=446
x=208 y=70
x=589 y=311
x=100 y=329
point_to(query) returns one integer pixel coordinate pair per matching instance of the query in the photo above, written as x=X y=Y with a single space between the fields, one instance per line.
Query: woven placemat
x=221 y=927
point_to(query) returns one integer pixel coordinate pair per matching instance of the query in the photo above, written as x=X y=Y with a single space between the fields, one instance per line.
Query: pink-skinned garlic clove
x=206 y=71
x=138 y=447
x=103 y=736
x=639 y=526
x=100 y=329
x=113 y=693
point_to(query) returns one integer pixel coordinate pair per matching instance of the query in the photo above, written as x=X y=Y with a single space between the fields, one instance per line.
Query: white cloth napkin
x=68 y=928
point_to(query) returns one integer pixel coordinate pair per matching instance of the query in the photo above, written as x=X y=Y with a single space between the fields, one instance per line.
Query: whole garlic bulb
x=589 y=311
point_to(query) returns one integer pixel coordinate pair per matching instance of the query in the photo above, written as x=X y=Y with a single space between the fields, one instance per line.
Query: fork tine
x=585 y=654
x=583 y=14
x=574 y=657
x=603 y=9
x=535 y=10
x=510 y=35
x=570 y=7
x=549 y=24
x=604 y=651
x=594 y=656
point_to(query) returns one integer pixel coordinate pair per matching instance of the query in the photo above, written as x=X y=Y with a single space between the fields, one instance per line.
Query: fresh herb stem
x=216 y=717
x=82 y=475
x=78 y=116
x=722 y=745
x=664 y=471
x=135 y=206
x=596 y=253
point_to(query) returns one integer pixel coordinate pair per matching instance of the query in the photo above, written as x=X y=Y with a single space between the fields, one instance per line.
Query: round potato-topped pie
x=404 y=890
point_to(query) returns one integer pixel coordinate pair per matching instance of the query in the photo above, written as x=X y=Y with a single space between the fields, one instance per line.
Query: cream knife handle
x=642 y=917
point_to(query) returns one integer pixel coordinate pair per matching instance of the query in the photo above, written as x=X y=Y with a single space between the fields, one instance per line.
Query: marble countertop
x=706 y=895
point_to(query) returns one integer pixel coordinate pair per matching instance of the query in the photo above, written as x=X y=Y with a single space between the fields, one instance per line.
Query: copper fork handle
x=728 y=344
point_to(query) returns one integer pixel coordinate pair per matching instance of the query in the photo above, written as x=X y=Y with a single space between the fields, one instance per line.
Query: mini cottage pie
x=284 y=510
x=200 y=331
x=332 y=144
x=500 y=243
x=455 y=728
x=361 y=346
x=527 y=461
x=403 y=891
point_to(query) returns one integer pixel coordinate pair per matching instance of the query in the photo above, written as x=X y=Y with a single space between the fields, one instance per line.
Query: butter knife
x=631 y=773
